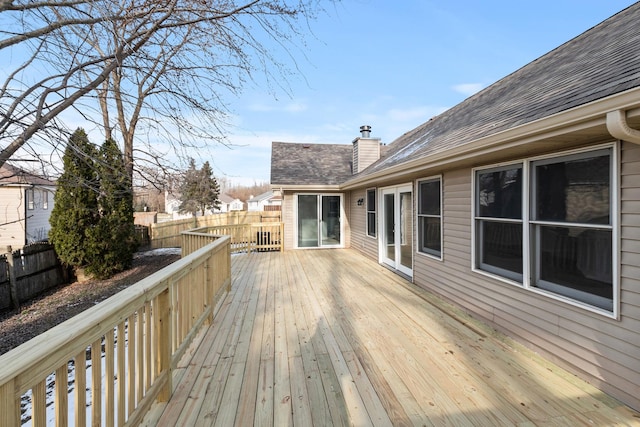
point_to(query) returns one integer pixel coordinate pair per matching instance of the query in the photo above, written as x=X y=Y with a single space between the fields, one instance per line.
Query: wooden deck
x=327 y=337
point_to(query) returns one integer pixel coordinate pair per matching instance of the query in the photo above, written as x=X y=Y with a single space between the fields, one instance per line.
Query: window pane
x=579 y=260
x=371 y=223
x=371 y=200
x=574 y=191
x=501 y=247
x=429 y=234
x=429 y=198
x=500 y=193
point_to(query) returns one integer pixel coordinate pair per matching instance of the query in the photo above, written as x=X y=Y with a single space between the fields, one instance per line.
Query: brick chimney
x=366 y=150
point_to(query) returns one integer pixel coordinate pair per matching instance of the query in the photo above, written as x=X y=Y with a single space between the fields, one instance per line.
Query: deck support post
x=9 y=405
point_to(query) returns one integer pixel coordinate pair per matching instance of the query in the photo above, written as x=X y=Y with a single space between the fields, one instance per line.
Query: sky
x=393 y=65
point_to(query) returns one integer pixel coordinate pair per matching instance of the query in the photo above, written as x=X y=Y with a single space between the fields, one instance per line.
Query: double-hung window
x=31 y=202
x=371 y=212
x=498 y=221
x=565 y=242
x=571 y=227
x=430 y=217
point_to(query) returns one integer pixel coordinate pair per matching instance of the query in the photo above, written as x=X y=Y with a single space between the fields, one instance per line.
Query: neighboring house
x=268 y=201
x=520 y=204
x=229 y=204
x=26 y=201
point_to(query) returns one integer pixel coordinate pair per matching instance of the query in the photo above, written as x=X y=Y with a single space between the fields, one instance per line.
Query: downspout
x=619 y=129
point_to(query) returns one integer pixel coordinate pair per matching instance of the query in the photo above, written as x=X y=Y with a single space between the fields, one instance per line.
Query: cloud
x=468 y=89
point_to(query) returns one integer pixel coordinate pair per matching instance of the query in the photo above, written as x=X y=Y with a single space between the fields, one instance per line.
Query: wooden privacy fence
x=168 y=234
x=118 y=356
x=28 y=272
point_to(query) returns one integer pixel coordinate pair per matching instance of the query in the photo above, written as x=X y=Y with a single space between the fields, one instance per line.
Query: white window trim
x=31 y=198
x=375 y=205
x=417 y=226
x=526 y=221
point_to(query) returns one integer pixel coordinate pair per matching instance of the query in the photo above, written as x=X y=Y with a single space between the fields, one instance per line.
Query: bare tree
x=153 y=73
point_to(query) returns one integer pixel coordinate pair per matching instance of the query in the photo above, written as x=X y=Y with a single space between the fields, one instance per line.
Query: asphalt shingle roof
x=601 y=62
x=310 y=164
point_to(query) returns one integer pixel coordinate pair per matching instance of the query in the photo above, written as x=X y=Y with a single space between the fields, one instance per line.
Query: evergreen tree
x=75 y=210
x=199 y=190
x=112 y=240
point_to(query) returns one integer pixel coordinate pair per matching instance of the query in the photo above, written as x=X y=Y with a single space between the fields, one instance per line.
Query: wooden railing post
x=9 y=405
x=163 y=351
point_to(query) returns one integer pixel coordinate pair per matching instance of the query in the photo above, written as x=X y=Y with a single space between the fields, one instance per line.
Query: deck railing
x=117 y=356
x=260 y=237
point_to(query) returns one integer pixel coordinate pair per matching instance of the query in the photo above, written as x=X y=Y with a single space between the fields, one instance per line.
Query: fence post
x=13 y=285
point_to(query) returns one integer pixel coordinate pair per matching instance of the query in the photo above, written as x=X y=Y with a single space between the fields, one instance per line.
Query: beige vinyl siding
x=12 y=211
x=288 y=216
x=605 y=351
x=358 y=225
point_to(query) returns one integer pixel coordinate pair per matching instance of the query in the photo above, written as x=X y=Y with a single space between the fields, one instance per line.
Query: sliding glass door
x=319 y=220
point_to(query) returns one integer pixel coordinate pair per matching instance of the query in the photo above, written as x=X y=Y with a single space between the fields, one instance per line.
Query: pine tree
x=112 y=241
x=75 y=210
x=199 y=190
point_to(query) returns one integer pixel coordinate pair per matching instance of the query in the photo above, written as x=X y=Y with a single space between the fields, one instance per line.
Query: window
x=430 y=217
x=567 y=234
x=571 y=227
x=45 y=199
x=371 y=212
x=499 y=221
x=31 y=199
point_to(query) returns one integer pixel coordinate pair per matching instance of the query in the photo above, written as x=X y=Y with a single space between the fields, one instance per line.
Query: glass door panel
x=406 y=234
x=330 y=230
x=389 y=240
x=307 y=221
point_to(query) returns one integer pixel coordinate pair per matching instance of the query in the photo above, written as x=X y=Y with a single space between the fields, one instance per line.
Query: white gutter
x=619 y=129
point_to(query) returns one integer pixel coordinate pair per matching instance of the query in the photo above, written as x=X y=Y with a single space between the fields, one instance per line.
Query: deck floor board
x=328 y=337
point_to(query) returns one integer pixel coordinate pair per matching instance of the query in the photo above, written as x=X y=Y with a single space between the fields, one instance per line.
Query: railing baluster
x=39 y=401
x=140 y=356
x=109 y=374
x=61 y=396
x=80 y=389
x=131 y=364
x=96 y=382
x=121 y=381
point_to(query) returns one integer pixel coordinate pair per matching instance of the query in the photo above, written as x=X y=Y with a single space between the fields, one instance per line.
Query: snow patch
x=157 y=252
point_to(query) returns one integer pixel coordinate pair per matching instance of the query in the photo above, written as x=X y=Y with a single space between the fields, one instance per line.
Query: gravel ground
x=63 y=302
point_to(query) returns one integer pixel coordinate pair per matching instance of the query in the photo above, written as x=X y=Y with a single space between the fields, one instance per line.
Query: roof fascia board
x=298 y=187
x=587 y=115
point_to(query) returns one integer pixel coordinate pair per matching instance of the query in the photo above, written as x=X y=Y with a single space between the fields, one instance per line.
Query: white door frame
x=390 y=253
x=321 y=225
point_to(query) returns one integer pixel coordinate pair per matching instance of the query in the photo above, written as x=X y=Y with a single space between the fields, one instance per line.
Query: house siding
x=358 y=222
x=602 y=350
x=12 y=210
x=288 y=216
x=38 y=218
